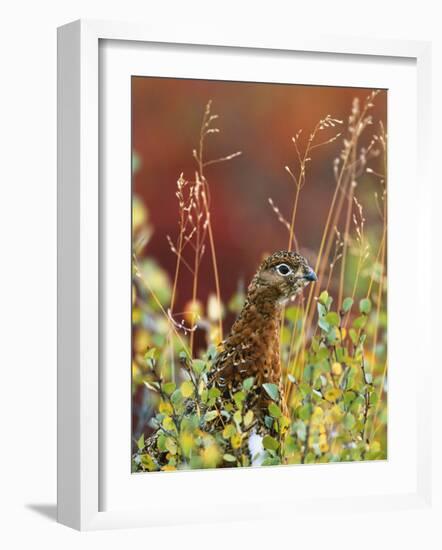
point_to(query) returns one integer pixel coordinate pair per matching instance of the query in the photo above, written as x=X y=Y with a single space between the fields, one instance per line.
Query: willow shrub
x=334 y=407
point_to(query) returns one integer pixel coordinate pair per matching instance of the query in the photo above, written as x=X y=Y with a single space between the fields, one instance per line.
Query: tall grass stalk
x=202 y=163
x=346 y=166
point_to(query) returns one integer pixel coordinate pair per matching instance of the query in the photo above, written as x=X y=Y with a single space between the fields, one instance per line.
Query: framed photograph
x=235 y=219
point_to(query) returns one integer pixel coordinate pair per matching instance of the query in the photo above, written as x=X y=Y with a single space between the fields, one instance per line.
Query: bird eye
x=283 y=269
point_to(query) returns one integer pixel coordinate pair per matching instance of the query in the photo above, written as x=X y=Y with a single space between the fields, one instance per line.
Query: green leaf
x=322 y=310
x=190 y=423
x=349 y=421
x=304 y=388
x=272 y=390
x=286 y=335
x=315 y=343
x=346 y=304
x=169 y=388
x=161 y=443
x=268 y=421
x=300 y=429
x=322 y=323
x=333 y=335
x=305 y=411
x=211 y=352
x=332 y=318
x=239 y=398
x=196 y=462
x=171 y=446
x=229 y=458
x=322 y=354
x=340 y=354
x=229 y=430
x=168 y=423
x=359 y=322
x=274 y=410
x=248 y=383
x=270 y=442
x=323 y=298
x=374 y=398
x=290 y=444
x=214 y=393
x=198 y=366
x=349 y=397
x=210 y=415
x=140 y=442
x=150 y=354
x=147 y=462
x=237 y=417
x=353 y=336
x=293 y=314
x=357 y=404
x=365 y=306
x=176 y=397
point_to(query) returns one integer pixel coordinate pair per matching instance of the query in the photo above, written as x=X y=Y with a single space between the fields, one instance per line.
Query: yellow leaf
x=323 y=443
x=165 y=408
x=171 y=446
x=186 y=442
x=215 y=335
x=211 y=456
x=141 y=340
x=228 y=431
x=333 y=394
x=237 y=417
x=336 y=413
x=168 y=468
x=248 y=418
x=187 y=388
x=336 y=369
x=235 y=441
x=147 y=463
x=136 y=316
x=193 y=311
x=135 y=370
x=168 y=424
x=284 y=424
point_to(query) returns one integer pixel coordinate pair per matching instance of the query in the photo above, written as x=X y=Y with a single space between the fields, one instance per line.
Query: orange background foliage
x=259 y=120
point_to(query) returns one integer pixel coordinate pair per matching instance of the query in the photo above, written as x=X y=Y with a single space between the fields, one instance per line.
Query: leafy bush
x=195 y=428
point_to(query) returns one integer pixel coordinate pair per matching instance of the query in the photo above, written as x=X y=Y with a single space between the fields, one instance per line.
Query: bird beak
x=311 y=276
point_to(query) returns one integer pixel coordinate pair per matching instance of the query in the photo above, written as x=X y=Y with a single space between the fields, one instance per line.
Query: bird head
x=283 y=275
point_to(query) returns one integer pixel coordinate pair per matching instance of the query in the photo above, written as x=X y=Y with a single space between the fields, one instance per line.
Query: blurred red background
x=259 y=120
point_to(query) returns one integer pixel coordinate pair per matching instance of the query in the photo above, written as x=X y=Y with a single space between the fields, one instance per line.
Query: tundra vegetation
x=333 y=343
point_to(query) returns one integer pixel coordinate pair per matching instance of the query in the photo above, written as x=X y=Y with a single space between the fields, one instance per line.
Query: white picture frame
x=80 y=294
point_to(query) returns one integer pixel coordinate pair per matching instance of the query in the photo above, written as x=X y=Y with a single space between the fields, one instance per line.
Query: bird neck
x=259 y=320
x=264 y=302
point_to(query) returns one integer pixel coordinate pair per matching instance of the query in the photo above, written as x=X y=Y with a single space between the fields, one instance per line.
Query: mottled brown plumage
x=252 y=347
